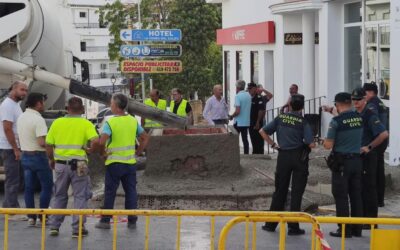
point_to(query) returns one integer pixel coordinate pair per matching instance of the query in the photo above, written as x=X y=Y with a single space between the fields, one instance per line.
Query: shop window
x=352 y=13
x=353 y=57
x=227 y=68
x=239 y=69
x=254 y=66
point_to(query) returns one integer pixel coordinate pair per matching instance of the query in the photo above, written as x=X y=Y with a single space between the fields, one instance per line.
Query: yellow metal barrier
x=238 y=217
x=250 y=216
x=380 y=238
x=282 y=218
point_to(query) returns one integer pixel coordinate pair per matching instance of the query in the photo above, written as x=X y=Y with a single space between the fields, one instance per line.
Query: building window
x=254 y=66
x=82 y=14
x=239 y=70
x=83 y=46
x=103 y=66
x=227 y=77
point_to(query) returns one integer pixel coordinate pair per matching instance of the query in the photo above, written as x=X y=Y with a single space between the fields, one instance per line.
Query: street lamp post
x=140 y=26
x=113 y=80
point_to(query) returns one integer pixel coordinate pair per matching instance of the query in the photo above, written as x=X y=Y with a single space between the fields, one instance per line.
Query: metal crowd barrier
x=378 y=236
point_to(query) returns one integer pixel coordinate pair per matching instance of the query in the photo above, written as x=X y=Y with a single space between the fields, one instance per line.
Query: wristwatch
x=369 y=147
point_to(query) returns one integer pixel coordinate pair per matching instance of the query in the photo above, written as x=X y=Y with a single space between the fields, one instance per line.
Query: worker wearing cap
x=374 y=133
x=156 y=102
x=295 y=139
x=66 y=149
x=344 y=139
x=180 y=106
x=119 y=136
x=376 y=105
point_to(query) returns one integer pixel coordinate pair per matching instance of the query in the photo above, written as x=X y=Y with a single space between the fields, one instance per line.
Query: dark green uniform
x=293 y=132
x=379 y=108
x=372 y=127
x=346 y=132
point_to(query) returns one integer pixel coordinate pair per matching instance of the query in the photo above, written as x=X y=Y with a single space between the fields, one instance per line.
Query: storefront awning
x=259 y=33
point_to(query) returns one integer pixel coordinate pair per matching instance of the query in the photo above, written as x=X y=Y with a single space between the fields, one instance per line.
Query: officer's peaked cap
x=358 y=94
x=370 y=87
x=343 y=97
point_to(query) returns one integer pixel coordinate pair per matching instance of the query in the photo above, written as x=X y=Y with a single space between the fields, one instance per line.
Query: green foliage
x=201 y=57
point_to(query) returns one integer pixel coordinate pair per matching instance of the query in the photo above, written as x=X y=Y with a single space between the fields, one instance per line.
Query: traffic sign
x=171 y=35
x=151 y=67
x=154 y=50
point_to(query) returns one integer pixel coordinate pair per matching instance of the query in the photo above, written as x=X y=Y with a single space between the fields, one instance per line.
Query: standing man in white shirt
x=32 y=131
x=10 y=110
x=216 y=110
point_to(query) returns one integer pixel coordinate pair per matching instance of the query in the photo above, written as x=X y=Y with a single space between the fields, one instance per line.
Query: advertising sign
x=259 y=33
x=151 y=67
x=154 y=50
x=170 y=35
x=297 y=38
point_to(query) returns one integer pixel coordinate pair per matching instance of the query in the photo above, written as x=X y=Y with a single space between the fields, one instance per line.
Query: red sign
x=259 y=33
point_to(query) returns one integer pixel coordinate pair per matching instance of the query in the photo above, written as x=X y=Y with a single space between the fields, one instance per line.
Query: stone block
x=197 y=152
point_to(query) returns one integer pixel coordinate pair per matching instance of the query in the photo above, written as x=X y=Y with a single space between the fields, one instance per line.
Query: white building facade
x=93 y=48
x=324 y=47
x=93 y=41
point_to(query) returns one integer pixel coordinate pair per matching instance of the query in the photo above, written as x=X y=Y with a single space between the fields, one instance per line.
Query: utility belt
x=80 y=166
x=304 y=150
x=335 y=160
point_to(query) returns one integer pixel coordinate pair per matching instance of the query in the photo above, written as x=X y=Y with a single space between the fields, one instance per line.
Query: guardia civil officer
x=374 y=133
x=344 y=138
x=66 y=149
x=295 y=139
x=376 y=105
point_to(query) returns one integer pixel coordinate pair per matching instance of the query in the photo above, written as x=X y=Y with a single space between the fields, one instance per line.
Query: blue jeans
x=126 y=173
x=36 y=167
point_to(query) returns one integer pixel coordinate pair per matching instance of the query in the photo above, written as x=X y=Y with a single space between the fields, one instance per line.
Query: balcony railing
x=96 y=49
x=104 y=75
x=89 y=25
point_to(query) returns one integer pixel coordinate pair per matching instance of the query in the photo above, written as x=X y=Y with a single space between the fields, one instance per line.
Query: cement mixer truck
x=34 y=48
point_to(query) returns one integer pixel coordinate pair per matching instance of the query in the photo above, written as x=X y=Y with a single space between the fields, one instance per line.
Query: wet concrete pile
x=186 y=173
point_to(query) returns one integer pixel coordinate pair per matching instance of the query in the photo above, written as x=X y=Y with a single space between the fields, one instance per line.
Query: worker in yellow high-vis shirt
x=66 y=149
x=119 y=135
x=156 y=102
x=180 y=106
